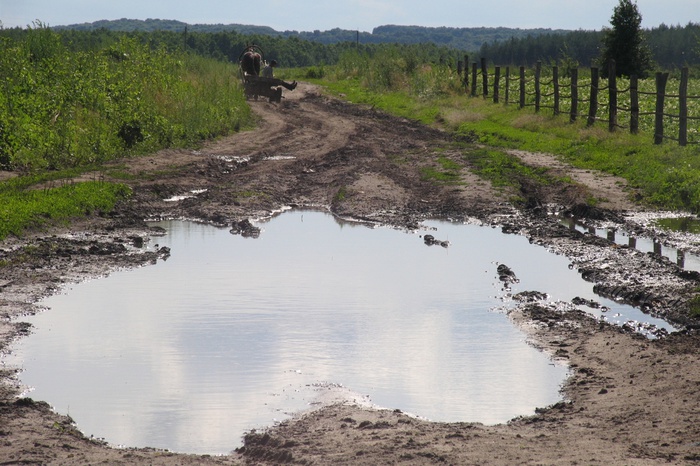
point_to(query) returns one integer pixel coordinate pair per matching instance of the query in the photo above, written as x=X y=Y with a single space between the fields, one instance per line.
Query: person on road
x=269 y=73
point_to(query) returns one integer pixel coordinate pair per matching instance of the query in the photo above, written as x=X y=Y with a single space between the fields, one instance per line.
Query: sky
x=363 y=15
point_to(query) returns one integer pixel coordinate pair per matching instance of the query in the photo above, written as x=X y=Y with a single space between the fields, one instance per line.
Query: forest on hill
x=227 y=45
x=671 y=46
x=458 y=38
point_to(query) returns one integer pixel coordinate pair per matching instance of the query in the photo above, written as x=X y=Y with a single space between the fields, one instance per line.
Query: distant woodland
x=672 y=46
x=457 y=38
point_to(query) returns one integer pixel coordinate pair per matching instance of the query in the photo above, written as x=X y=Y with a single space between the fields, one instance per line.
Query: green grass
x=694 y=306
x=667 y=175
x=23 y=208
x=392 y=102
x=60 y=108
x=449 y=172
x=503 y=169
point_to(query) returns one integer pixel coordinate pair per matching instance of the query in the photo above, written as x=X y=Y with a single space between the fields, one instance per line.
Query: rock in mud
x=585 y=302
x=105 y=249
x=245 y=229
x=530 y=296
x=506 y=275
x=430 y=240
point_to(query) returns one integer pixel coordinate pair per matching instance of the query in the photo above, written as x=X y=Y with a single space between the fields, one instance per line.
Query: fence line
x=613 y=109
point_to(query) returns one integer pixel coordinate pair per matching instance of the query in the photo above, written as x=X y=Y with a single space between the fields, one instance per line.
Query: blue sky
x=308 y=15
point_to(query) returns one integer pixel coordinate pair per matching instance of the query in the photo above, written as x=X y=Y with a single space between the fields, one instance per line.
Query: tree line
x=464 y=39
x=671 y=46
x=289 y=52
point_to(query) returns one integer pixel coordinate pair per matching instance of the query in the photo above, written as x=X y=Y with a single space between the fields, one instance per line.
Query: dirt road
x=630 y=400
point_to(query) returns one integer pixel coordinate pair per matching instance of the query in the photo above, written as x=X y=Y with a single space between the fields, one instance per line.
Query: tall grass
x=65 y=109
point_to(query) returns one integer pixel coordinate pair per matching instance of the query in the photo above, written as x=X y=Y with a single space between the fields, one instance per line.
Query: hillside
x=468 y=39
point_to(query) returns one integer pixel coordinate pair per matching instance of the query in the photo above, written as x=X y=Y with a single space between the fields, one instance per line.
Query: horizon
x=354 y=15
x=294 y=30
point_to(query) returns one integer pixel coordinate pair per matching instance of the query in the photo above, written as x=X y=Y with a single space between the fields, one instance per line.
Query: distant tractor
x=255 y=85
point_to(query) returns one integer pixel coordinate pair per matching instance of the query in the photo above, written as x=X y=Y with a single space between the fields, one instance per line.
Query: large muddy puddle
x=234 y=333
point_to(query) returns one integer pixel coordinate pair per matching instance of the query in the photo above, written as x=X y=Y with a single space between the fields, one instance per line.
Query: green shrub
x=61 y=108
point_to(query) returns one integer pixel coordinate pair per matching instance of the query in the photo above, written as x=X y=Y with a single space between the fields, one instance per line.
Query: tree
x=626 y=43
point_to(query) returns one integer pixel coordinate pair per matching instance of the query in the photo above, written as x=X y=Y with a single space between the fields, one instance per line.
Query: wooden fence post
x=496 y=83
x=634 y=104
x=485 y=77
x=474 y=79
x=683 y=108
x=661 y=79
x=612 y=96
x=555 y=81
x=593 y=109
x=538 y=91
x=574 y=95
x=466 y=73
x=507 y=96
x=522 y=87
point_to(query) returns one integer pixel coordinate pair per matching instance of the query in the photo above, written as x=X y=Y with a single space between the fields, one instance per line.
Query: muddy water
x=232 y=333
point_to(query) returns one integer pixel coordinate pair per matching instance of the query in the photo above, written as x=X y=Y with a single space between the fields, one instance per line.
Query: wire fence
x=632 y=104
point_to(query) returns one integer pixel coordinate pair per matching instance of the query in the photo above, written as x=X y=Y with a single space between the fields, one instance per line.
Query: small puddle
x=644 y=244
x=233 y=333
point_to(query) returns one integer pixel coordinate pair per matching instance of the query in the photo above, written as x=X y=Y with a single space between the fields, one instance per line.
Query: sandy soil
x=630 y=399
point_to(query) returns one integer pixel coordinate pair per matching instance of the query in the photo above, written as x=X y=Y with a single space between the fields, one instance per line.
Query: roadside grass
x=64 y=112
x=393 y=102
x=665 y=176
x=25 y=206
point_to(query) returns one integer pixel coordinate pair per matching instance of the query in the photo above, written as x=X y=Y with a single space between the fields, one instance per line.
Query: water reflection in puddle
x=231 y=333
x=648 y=245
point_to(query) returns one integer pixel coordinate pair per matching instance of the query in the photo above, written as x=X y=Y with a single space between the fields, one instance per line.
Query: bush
x=61 y=108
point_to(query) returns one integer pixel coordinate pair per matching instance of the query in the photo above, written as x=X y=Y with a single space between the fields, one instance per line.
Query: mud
x=629 y=400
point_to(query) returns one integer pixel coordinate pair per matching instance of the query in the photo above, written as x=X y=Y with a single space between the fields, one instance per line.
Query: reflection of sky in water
x=230 y=333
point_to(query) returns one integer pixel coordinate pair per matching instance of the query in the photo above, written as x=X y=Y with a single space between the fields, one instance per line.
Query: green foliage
x=671 y=47
x=22 y=208
x=341 y=195
x=694 y=307
x=384 y=77
x=458 y=38
x=66 y=108
x=626 y=43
